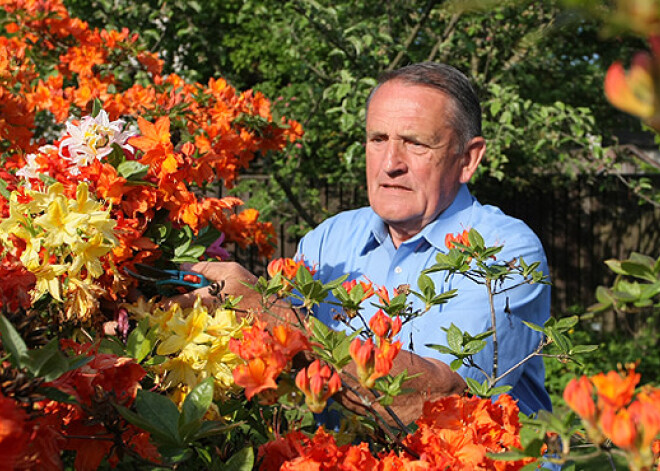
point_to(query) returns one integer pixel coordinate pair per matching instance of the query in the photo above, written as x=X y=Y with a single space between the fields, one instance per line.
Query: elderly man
x=423 y=144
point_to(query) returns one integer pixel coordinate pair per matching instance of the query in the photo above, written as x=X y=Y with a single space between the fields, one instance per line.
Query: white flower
x=93 y=139
x=30 y=170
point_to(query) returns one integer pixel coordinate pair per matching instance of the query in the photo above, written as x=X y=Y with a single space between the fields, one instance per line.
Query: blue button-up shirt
x=358 y=243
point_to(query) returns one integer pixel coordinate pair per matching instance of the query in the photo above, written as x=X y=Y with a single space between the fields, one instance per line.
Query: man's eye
x=416 y=147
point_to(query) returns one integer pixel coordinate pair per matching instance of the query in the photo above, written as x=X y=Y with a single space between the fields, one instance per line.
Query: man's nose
x=395 y=157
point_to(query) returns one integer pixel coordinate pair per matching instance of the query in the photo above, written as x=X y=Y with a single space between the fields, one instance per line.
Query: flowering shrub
x=117 y=176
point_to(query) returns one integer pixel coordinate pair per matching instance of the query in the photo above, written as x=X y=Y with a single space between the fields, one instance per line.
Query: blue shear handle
x=190 y=279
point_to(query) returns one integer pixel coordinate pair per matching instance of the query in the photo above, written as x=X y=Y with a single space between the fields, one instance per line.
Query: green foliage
x=537 y=67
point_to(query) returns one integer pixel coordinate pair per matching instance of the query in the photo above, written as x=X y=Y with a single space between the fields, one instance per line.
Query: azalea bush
x=109 y=165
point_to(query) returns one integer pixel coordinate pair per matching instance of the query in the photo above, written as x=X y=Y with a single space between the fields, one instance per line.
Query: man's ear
x=474 y=152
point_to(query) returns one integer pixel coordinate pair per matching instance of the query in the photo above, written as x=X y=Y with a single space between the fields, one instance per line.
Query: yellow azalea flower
x=87 y=254
x=48 y=280
x=30 y=257
x=82 y=299
x=161 y=317
x=221 y=362
x=41 y=201
x=141 y=308
x=224 y=323
x=190 y=329
x=60 y=225
x=177 y=371
x=17 y=223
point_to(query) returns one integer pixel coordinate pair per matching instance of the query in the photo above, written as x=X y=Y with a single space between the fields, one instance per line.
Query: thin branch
x=294 y=200
x=536 y=352
x=639 y=194
x=413 y=34
x=493 y=320
x=446 y=36
x=384 y=426
x=326 y=31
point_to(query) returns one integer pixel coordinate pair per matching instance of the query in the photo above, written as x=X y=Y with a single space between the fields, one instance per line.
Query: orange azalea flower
x=646 y=412
x=318 y=383
x=385 y=355
x=258 y=375
x=367 y=288
x=636 y=92
x=373 y=362
x=616 y=389
x=14 y=433
x=619 y=426
x=384 y=326
x=461 y=238
x=290 y=340
x=578 y=395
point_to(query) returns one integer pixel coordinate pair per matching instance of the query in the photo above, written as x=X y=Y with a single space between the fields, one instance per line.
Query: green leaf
x=13 y=343
x=3 y=189
x=475 y=386
x=454 y=337
x=566 y=323
x=638 y=270
x=241 y=461
x=97 y=106
x=475 y=238
x=194 y=407
x=138 y=345
x=47 y=362
x=159 y=411
x=580 y=349
x=132 y=170
x=534 y=326
x=158 y=433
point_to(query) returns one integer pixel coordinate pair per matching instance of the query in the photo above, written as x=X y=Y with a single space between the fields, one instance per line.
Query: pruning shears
x=162 y=278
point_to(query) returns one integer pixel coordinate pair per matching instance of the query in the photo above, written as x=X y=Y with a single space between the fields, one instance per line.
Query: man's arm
x=435 y=377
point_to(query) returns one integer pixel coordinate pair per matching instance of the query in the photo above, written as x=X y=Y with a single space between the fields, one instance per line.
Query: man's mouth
x=392 y=186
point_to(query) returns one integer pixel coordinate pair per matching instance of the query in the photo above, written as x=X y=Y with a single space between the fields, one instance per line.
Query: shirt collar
x=454 y=219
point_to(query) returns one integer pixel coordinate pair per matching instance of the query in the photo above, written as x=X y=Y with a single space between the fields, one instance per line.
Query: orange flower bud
x=578 y=395
x=317 y=382
x=380 y=324
x=619 y=427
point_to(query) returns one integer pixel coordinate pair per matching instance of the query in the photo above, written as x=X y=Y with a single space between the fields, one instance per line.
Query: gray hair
x=466 y=116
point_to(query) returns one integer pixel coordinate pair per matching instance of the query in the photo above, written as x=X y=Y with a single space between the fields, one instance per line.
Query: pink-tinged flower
x=93 y=138
x=636 y=91
x=216 y=250
x=318 y=382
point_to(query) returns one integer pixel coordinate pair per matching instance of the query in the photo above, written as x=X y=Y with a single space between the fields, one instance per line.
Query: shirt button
x=398 y=270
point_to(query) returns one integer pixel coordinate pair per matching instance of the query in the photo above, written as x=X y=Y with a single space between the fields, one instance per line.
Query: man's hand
x=234 y=280
x=435 y=380
x=231 y=278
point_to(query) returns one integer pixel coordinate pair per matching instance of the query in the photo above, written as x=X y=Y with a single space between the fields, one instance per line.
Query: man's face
x=413 y=171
